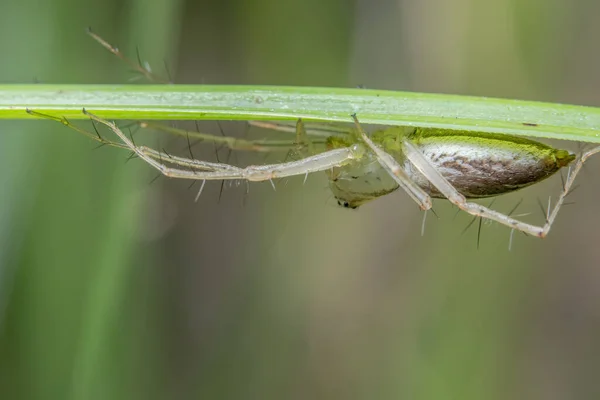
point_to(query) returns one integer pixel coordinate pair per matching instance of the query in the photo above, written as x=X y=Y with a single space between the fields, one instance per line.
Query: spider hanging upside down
x=425 y=162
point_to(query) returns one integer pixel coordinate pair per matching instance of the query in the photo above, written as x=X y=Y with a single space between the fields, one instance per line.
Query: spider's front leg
x=200 y=170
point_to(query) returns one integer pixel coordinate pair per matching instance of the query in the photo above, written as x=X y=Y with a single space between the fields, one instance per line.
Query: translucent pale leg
x=396 y=171
x=196 y=164
x=144 y=70
x=201 y=170
x=304 y=145
x=312 y=129
x=446 y=188
x=230 y=142
x=182 y=161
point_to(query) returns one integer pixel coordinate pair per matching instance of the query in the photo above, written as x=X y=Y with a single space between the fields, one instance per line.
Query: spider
x=426 y=162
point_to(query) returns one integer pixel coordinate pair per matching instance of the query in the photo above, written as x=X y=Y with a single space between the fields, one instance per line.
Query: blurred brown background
x=112 y=288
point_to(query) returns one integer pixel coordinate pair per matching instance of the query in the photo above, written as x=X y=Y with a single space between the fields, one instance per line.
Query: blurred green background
x=112 y=288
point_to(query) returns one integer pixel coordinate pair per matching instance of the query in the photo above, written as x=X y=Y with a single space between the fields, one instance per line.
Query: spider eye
x=344 y=204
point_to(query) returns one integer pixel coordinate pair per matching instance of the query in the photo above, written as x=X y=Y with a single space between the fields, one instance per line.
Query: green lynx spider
x=418 y=162
x=425 y=162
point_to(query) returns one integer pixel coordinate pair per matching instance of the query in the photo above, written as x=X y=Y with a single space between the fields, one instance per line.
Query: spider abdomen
x=483 y=164
x=477 y=164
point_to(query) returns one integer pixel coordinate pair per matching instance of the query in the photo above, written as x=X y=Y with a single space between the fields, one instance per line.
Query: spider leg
x=304 y=145
x=196 y=164
x=313 y=129
x=137 y=66
x=201 y=170
x=227 y=141
x=395 y=170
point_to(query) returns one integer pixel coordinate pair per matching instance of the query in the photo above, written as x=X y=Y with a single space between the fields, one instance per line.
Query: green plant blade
x=177 y=102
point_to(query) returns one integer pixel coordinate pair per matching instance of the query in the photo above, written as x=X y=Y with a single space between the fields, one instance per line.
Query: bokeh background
x=115 y=288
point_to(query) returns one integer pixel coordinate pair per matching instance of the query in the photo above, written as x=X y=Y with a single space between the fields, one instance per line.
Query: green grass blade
x=178 y=102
